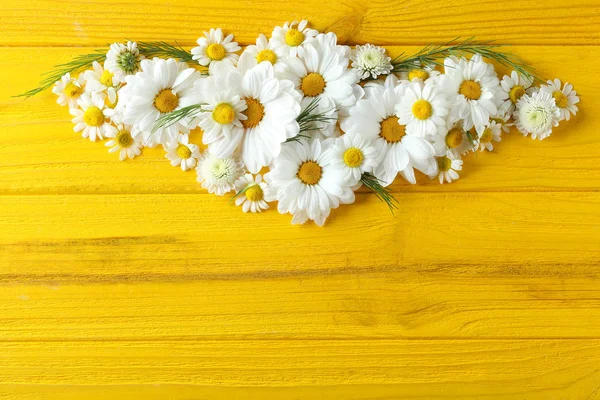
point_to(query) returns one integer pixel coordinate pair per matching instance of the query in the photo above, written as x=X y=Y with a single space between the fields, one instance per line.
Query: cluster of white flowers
x=299 y=120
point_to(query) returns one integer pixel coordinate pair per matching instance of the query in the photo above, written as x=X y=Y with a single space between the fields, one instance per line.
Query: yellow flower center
x=255 y=112
x=486 y=136
x=124 y=138
x=266 y=55
x=391 y=130
x=497 y=120
x=183 y=151
x=421 y=109
x=312 y=84
x=516 y=93
x=72 y=90
x=93 y=116
x=215 y=51
x=254 y=193
x=310 y=172
x=106 y=78
x=454 y=138
x=444 y=163
x=560 y=99
x=111 y=104
x=166 y=101
x=223 y=114
x=470 y=89
x=294 y=37
x=418 y=74
x=353 y=157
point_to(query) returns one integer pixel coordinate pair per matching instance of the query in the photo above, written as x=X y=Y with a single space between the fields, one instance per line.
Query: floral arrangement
x=300 y=120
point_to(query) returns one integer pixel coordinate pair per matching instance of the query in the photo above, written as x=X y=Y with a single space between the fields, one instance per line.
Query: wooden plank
x=96 y=22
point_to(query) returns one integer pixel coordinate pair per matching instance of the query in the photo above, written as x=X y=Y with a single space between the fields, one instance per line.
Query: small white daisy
x=263 y=51
x=218 y=175
x=536 y=115
x=511 y=89
x=124 y=142
x=370 y=61
x=69 y=90
x=447 y=167
x=292 y=37
x=90 y=117
x=454 y=140
x=214 y=49
x=565 y=97
x=491 y=133
x=99 y=79
x=123 y=59
x=421 y=73
x=423 y=109
x=503 y=119
x=182 y=153
x=251 y=193
x=354 y=155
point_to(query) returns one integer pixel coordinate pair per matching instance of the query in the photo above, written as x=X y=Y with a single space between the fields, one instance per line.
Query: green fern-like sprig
x=171 y=118
x=371 y=182
x=308 y=117
x=164 y=50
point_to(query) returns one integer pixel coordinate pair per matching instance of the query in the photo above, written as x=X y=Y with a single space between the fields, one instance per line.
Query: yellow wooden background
x=127 y=281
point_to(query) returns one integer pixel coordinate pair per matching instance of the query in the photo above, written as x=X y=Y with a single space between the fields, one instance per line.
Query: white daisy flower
x=354 y=155
x=123 y=59
x=374 y=118
x=370 y=61
x=423 y=109
x=471 y=88
x=536 y=115
x=263 y=51
x=565 y=98
x=90 y=117
x=291 y=38
x=214 y=49
x=182 y=153
x=251 y=193
x=305 y=182
x=99 y=79
x=447 y=167
x=69 y=90
x=161 y=87
x=454 y=140
x=218 y=175
x=511 y=89
x=124 y=142
x=420 y=73
x=503 y=120
x=491 y=133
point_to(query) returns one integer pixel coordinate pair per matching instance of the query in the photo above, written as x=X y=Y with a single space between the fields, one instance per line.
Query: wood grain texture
x=127 y=281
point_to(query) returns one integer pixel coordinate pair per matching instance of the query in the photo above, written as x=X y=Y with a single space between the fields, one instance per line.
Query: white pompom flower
x=370 y=61
x=218 y=175
x=564 y=96
x=251 y=193
x=536 y=115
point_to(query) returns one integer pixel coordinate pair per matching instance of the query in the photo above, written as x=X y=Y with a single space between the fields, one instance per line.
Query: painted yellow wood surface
x=127 y=281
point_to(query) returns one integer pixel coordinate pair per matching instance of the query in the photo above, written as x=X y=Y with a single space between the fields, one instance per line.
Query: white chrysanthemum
x=354 y=155
x=263 y=51
x=124 y=142
x=291 y=38
x=218 y=175
x=251 y=193
x=90 y=117
x=423 y=109
x=182 y=153
x=123 y=59
x=420 y=73
x=471 y=88
x=99 y=79
x=161 y=87
x=536 y=115
x=511 y=89
x=370 y=61
x=214 y=49
x=491 y=133
x=374 y=118
x=69 y=90
x=454 y=140
x=565 y=97
x=305 y=182
x=447 y=167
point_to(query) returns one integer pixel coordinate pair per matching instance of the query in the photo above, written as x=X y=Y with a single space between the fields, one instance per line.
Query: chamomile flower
x=491 y=133
x=447 y=167
x=161 y=87
x=263 y=51
x=99 y=79
x=123 y=59
x=90 y=117
x=503 y=119
x=374 y=118
x=354 y=155
x=291 y=38
x=370 y=61
x=454 y=140
x=511 y=89
x=124 y=142
x=251 y=193
x=423 y=109
x=420 y=73
x=218 y=175
x=565 y=97
x=536 y=115
x=305 y=182
x=182 y=153
x=69 y=90
x=471 y=89
x=214 y=49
